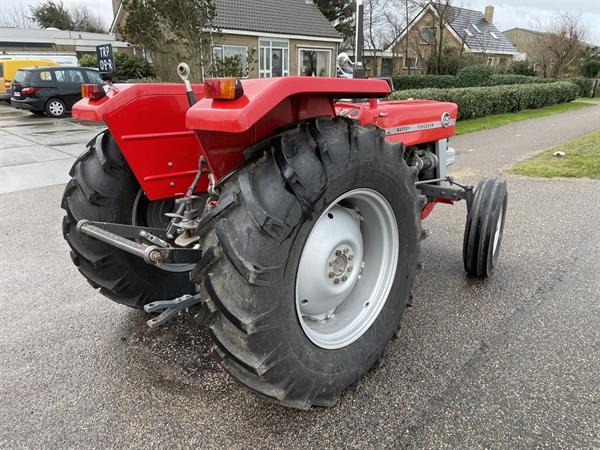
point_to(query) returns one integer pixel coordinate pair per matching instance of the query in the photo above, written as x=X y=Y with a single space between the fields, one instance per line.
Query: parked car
x=51 y=90
x=8 y=68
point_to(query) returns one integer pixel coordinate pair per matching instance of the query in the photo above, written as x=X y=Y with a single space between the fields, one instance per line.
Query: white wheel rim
x=347 y=268
x=497 y=233
x=56 y=108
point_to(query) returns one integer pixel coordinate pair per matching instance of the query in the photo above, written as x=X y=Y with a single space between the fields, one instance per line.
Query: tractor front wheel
x=103 y=188
x=305 y=281
x=484 y=228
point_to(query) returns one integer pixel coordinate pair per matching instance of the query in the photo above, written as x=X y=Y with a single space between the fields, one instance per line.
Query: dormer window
x=476 y=29
x=468 y=33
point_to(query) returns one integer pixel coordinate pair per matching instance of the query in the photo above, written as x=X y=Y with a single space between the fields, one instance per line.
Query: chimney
x=489 y=14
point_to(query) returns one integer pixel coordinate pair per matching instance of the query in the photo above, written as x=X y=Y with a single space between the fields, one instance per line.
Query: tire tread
x=304 y=159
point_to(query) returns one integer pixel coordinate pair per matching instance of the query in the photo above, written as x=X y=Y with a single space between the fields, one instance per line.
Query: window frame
x=432 y=33
x=309 y=48
x=89 y=79
x=68 y=76
x=416 y=66
x=389 y=61
x=38 y=78
x=222 y=49
x=80 y=74
x=264 y=72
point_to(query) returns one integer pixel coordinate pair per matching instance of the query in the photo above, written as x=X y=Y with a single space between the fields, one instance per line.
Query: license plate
x=17 y=94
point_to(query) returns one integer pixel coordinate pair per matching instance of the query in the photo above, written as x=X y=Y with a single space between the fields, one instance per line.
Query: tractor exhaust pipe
x=183 y=70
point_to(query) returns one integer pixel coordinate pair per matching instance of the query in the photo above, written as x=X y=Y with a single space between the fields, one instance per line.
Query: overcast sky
x=508 y=13
x=535 y=13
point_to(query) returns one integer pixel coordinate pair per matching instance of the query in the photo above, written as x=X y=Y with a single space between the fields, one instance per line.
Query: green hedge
x=585 y=85
x=475 y=75
x=127 y=66
x=484 y=101
x=406 y=82
x=424 y=81
x=519 y=79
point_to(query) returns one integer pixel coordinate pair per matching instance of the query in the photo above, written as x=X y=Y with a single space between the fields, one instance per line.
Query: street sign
x=104 y=56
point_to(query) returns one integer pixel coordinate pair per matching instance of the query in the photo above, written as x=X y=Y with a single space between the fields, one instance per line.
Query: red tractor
x=284 y=220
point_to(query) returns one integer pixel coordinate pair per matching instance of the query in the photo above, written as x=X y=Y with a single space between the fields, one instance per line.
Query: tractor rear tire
x=484 y=228
x=250 y=278
x=103 y=188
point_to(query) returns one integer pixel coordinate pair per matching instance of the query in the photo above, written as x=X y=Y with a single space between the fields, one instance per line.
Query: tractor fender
x=147 y=122
x=293 y=99
x=120 y=96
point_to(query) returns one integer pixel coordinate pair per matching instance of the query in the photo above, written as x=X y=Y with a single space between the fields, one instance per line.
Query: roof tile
x=461 y=19
x=294 y=17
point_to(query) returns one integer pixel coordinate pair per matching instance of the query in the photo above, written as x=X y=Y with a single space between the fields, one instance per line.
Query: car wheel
x=55 y=108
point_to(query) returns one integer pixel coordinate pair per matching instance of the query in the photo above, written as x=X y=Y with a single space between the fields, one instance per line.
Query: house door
x=273 y=59
x=277 y=62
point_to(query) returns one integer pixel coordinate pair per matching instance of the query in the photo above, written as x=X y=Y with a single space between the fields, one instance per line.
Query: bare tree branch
x=16 y=16
x=87 y=20
x=558 y=45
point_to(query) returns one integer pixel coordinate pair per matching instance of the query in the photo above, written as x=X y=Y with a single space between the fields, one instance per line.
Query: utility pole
x=359 y=43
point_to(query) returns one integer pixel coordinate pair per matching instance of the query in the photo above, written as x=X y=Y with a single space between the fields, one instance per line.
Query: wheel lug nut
x=349 y=269
x=331 y=274
x=345 y=250
x=331 y=263
x=350 y=256
x=338 y=253
x=344 y=278
x=336 y=281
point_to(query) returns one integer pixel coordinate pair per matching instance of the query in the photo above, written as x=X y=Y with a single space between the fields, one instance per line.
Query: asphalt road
x=512 y=361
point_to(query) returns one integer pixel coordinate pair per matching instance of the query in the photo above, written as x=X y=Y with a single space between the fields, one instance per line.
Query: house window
x=427 y=35
x=411 y=63
x=387 y=67
x=490 y=61
x=273 y=59
x=313 y=62
x=228 y=52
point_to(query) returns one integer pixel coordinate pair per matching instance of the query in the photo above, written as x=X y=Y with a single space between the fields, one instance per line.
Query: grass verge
x=582 y=160
x=484 y=123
